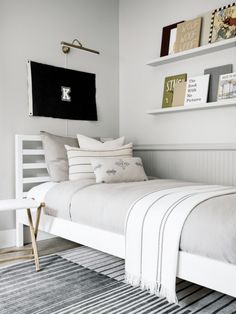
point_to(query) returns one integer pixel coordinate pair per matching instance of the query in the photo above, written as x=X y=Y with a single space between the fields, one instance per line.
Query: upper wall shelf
x=221 y=45
x=210 y=105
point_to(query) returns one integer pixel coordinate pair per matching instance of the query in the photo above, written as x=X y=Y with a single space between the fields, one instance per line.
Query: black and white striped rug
x=65 y=287
x=87 y=281
x=192 y=298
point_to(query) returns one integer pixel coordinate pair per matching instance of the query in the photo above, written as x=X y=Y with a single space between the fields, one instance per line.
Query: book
x=223 y=25
x=169 y=88
x=179 y=94
x=205 y=28
x=227 y=86
x=214 y=79
x=197 y=90
x=188 y=35
x=172 y=41
x=165 y=41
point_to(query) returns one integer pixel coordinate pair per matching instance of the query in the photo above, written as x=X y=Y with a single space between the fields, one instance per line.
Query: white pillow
x=90 y=143
x=79 y=159
x=111 y=170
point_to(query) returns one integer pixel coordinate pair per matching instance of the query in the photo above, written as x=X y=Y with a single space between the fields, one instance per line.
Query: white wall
x=141 y=86
x=33 y=29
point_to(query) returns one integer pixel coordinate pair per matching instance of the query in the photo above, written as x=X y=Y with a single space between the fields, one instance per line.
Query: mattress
x=208 y=231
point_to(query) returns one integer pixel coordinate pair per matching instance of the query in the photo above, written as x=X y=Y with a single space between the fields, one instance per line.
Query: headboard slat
x=34 y=167
x=36 y=179
x=33 y=152
x=37 y=165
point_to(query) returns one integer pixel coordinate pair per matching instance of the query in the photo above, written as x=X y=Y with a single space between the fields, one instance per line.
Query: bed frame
x=31 y=170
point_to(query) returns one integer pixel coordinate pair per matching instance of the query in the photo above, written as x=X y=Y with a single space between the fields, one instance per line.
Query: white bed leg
x=19 y=234
x=19 y=228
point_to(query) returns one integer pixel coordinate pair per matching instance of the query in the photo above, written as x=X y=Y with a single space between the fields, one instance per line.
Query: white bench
x=27 y=204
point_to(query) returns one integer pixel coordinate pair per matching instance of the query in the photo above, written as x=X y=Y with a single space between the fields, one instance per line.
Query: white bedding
x=39 y=192
x=208 y=231
x=152 y=236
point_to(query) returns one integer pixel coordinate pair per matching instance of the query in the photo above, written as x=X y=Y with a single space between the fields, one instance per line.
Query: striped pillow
x=80 y=166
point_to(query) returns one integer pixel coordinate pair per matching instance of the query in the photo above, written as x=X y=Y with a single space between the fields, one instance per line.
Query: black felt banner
x=61 y=93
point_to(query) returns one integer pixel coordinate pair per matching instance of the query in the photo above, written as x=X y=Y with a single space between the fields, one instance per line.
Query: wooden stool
x=27 y=204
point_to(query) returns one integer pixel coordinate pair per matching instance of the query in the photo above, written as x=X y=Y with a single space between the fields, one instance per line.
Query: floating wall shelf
x=211 y=105
x=209 y=48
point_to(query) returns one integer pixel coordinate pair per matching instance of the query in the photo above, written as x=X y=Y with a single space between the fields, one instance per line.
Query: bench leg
x=38 y=214
x=33 y=239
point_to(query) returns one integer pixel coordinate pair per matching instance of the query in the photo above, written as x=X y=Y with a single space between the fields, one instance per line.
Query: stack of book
x=180 y=90
x=210 y=27
x=216 y=84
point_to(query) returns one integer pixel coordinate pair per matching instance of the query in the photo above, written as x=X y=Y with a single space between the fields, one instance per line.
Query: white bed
x=205 y=271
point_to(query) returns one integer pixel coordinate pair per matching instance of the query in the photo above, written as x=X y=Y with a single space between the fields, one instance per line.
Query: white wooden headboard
x=30 y=166
x=208 y=163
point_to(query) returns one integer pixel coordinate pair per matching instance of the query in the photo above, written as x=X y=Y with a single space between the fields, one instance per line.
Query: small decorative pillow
x=111 y=170
x=90 y=143
x=80 y=164
x=55 y=155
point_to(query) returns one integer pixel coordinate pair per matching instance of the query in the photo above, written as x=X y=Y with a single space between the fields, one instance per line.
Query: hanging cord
x=65 y=61
x=65 y=66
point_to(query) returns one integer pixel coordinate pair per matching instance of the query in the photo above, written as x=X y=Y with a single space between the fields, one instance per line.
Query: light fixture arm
x=76 y=44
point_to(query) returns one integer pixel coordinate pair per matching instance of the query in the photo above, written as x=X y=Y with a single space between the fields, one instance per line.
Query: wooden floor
x=45 y=247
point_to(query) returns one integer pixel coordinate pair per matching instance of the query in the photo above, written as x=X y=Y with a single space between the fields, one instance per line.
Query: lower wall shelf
x=211 y=105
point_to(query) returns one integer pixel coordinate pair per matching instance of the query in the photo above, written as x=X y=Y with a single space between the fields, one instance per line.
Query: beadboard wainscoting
x=208 y=163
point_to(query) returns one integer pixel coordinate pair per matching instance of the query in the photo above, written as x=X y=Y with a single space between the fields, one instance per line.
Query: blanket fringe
x=159 y=290
x=152 y=287
x=132 y=279
x=169 y=295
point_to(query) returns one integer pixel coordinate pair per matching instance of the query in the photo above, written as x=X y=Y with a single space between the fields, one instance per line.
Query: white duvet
x=209 y=229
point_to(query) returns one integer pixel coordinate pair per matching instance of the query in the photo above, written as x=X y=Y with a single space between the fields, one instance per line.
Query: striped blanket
x=153 y=230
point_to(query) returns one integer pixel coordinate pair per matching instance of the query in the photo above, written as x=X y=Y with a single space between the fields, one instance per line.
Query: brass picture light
x=77 y=45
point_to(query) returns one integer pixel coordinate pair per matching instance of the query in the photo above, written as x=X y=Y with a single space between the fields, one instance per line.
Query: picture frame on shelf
x=215 y=74
x=188 y=35
x=223 y=23
x=179 y=94
x=205 y=28
x=227 y=86
x=172 y=40
x=197 y=90
x=169 y=85
x=168 y=32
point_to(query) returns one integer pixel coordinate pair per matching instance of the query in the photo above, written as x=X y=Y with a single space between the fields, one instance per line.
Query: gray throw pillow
x=56 y=156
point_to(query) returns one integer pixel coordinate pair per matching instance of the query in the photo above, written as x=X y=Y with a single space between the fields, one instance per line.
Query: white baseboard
x=7 y=238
